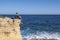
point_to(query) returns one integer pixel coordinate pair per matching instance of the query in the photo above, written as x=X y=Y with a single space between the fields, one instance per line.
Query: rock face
x=10 y=29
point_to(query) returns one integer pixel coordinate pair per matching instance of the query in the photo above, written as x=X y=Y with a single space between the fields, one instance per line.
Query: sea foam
x=43 y=36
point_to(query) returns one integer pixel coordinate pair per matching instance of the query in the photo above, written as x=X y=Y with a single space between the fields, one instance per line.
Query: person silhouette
x=17 y=16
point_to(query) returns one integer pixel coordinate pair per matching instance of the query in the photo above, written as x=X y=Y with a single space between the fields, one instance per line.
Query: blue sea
x=40 y=26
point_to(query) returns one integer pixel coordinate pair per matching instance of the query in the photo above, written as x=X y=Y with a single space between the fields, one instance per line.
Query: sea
x=37 y=27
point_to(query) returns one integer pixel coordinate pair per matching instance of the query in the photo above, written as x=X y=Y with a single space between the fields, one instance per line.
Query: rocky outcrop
x=10 y=29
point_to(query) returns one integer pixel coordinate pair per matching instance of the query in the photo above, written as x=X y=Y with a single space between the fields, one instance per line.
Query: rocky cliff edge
x=10 y=29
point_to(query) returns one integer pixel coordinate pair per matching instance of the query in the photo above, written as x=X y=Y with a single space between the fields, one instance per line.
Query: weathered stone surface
x=10 y=29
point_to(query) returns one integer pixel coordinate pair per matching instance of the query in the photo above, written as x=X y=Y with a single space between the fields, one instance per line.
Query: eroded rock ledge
x=10 y=29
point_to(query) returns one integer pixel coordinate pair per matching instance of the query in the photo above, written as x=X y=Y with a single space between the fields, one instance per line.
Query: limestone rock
x=10 y=29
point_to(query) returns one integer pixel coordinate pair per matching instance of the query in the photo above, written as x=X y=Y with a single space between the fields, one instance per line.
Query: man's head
x=16 y=12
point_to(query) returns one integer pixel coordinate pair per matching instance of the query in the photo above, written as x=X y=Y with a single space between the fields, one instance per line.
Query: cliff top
x=10 y=28
x=15 y=20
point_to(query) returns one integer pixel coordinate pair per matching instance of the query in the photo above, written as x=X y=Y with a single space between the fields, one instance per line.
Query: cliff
x=10 y=29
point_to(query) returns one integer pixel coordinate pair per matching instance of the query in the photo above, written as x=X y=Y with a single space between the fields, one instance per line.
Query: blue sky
x=30 y=6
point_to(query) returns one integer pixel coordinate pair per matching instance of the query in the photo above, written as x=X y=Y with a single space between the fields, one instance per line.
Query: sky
x=30 y=7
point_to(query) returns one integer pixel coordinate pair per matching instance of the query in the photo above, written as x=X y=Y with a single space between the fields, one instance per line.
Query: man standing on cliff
x=17 y=16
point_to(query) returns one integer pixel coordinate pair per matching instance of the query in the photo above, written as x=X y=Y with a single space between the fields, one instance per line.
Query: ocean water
x=40 y=26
